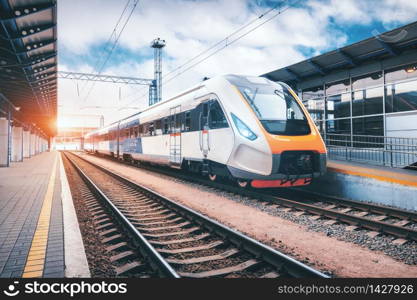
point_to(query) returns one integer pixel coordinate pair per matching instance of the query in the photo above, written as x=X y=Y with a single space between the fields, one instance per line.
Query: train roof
x=230 y=77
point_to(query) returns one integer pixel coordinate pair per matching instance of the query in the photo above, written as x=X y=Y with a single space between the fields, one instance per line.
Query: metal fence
x=380 y=150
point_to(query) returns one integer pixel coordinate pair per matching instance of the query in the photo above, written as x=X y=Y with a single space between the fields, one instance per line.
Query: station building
x=363 y=97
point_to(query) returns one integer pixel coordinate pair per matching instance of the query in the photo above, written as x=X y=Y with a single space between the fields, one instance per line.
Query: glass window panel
x=187 y=122
x=338 y=126
x=178 y=121
x=368 y=126
x=338 y=105
x=158 y=127
x=313 y=93
x=151 y=128
x=320 y=126
x=338 y=87
x=315 y=108
x=166 y=126
x=217 y=119
x=399 y=74
x=367 y=102
x=368 y=80
x=401 y=97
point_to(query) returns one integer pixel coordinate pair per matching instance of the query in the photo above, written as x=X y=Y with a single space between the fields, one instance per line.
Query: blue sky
x=305 y=29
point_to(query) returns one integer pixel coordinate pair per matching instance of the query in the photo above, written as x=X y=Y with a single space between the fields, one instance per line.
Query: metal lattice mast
x=156 y=88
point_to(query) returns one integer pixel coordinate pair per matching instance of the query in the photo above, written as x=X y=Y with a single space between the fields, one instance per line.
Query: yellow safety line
x=378 y=177
x=36 y=258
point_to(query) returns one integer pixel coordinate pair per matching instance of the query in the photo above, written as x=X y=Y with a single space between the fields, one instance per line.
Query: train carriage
x=249 y=129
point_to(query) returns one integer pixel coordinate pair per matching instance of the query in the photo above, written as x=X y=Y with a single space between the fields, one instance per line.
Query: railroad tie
x=191 y=239
x=108 y=232
x=111 y=239
x=202 y=259
x=128 y=267
x=172 y=233
x=101 y=221
x=270 y=275
x=190 y=249
x=361 y=213
x=380 y=218
x=116 y=246
x=122 y=255
x=165 y=227
x=224 y=271
x=137 y=223
x=155 y=218
x=402 y=223
x=105 y=225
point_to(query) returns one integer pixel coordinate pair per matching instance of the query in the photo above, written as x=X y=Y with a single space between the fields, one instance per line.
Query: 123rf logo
x=70 y=289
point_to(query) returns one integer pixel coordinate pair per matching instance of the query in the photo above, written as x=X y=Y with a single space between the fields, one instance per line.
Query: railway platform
x=383 y=185
x=39 y=235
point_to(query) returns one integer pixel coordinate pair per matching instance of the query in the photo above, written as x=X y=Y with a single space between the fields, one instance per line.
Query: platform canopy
x=388 y=44
x=28 y=61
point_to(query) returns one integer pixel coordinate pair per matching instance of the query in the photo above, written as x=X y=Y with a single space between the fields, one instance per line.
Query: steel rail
x=364 y=206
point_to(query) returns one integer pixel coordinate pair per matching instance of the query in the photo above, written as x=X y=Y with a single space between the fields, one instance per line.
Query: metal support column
x=157 y=44
x=9 y=136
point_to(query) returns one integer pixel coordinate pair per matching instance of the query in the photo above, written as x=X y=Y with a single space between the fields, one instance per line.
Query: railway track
x=377 y=219
x=110 y=236
x=176 y=241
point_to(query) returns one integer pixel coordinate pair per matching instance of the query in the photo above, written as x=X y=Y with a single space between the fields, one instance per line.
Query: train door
x=175 y=135
x=204 y=129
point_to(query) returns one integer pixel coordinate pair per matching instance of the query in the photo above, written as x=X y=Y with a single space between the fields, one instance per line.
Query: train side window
x=204 y=115
x=141 y=130
x=151 y=129
x=178 y=121
x=187 y=121
x=145 y=129
x=158 y=127
x=172 y=123
x=136 y=131
x=166 y=126
x=217 y=119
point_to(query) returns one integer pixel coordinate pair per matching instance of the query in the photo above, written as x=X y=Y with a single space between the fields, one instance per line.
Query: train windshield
x=276 y=108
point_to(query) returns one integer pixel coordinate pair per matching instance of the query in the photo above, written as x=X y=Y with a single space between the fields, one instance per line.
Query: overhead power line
x=96 y=64
x=135 y=3
x=225 y=42
x=229 y=40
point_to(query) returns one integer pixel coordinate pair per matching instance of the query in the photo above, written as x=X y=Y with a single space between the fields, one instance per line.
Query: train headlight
x=244 y=129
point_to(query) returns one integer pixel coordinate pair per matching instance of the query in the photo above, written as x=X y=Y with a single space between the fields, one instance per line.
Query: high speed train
x=245 y=128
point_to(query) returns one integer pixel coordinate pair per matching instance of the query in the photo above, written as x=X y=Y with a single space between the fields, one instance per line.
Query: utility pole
x=155 y=89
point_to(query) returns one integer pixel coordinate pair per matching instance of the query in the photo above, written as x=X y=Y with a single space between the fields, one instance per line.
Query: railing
x=394 y=152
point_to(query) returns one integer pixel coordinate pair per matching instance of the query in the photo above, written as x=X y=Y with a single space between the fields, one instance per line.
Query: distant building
x=71 y=138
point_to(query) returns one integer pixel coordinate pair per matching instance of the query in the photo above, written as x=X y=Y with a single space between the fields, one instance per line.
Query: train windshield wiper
x=252 y=102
